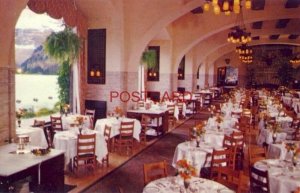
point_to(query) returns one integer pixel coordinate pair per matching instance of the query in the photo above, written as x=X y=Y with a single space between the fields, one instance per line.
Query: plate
x=151 y=190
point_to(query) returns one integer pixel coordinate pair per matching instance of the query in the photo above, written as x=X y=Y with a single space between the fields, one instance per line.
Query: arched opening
x=36 y=75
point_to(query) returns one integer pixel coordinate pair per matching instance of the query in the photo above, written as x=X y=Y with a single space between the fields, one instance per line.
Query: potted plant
x=64 y=47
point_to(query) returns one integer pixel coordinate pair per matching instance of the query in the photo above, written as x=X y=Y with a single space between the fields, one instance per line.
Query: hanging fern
x=149 y=58
x=64 y=47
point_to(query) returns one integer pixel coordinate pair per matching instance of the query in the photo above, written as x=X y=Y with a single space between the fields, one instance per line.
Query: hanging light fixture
x=244 y=49
x=239 y=34
x=246 y=58
x=295 y=61
x=226 y=6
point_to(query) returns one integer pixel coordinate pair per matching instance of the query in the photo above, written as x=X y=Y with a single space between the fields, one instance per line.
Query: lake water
x=44 y=88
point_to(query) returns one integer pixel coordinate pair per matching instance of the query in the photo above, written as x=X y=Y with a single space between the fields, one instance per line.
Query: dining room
x=193 y=87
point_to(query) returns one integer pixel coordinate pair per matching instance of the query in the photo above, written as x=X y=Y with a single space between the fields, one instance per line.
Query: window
x=96 y=56
x=153 y=73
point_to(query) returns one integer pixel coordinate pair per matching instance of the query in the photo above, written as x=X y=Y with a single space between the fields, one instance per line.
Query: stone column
x=7 y=104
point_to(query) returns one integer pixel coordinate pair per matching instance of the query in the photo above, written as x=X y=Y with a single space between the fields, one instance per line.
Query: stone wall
x=7 y=103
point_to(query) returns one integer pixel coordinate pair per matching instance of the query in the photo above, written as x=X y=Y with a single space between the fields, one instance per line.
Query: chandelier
x=239 y=35
x=244 y=49
x=246 y=58
x=226 y=6
x=295 y=60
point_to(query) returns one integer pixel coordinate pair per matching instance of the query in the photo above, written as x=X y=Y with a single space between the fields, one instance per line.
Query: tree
x=64 y=47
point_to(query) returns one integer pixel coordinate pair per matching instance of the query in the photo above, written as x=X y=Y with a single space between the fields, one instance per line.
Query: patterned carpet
x=130 y=175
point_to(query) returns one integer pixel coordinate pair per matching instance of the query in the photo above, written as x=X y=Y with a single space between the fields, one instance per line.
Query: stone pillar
x=7 y=104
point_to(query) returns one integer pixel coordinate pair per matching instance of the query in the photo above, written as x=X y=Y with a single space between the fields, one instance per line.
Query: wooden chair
x=296 y=135
x=49 y=134
x=141 y=103
x=256 y=153
x=125 y=138
x=56 y=123
x=259 y=180
x=107 y=131
x=91 y=114
x=222 y=159
x=86 y=145
x=228 y=177
x=180 y=109
x=171 y=110
x=155 y=170
x=38 y=123
x=297 y=190
x=145 y=120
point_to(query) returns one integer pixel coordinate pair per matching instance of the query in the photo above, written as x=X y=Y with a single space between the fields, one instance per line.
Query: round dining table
x=198 y=156
x=283 y=176
x=175 y=184
x=67 y=141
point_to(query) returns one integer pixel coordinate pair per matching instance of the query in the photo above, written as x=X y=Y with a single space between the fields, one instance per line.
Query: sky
x=29 y=19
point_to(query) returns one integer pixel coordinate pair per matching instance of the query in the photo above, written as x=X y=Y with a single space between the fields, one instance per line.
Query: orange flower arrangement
x=19 y=113
x=79 y=120
x=199 y=130
x=185 y=170
x=291 y=147
x=118 y=111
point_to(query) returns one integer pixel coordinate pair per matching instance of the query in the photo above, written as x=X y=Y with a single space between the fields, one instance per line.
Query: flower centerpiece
x=275 y=129
x=118 y=112
x=66 y=109
x=198 y=131
x=293 y=148
x=219 y=119
x=19 y=115
x=79 y=121
x=185 y=171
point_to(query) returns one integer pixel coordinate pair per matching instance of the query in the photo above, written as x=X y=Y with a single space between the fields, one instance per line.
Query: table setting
x=115 y=123
x=67 y=141
x=36 y=135
x=175 y=184
x=283 y=175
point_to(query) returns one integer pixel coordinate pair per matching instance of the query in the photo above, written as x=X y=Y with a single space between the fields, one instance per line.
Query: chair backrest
x=141 y=103
x=256 y=153
x=259 y=180
x=155 y=170
x=86 y=145
x=171 y=109
x=49 y=134
x=222 y=158
x=56 y=123
x=38 y=123
x=145 y=121
x=107 y=131
x=91 y=114
x=126 y=129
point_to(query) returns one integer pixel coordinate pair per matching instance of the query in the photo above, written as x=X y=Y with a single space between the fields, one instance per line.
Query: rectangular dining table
x=154 y=114
x=44 y=171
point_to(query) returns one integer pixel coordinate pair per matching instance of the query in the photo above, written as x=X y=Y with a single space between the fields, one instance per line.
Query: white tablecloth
x=281 y=175
x=36 y=135
x=115 y=126
x=195 y=155
x=67 y=141
x=68 y=121
x=174 y=184
x=278 y=150
x=266 y=136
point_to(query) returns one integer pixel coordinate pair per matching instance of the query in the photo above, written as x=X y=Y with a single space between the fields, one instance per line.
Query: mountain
x=39 y=63
x=30 y=56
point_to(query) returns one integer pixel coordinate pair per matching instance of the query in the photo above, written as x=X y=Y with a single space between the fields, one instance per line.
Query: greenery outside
x=64 y=47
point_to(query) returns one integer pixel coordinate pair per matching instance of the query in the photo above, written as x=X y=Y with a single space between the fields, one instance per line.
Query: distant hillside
x=30 y=55
x=39 y=63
